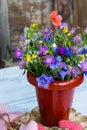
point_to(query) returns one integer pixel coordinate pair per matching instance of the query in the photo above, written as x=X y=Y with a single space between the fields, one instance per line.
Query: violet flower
x=84 y=66
x=64 y=25
x=22 y=64
x=77 y=39
x=18 y=53
x=43 y=49
x=85 y=30
x=49 y=60
x=74 y=49
x=47 y=33
x=75 y=71
x=44 y=80
x=61 y=51
x=73 y=30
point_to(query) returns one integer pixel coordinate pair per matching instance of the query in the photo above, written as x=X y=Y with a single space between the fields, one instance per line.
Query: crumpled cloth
x=26 y=122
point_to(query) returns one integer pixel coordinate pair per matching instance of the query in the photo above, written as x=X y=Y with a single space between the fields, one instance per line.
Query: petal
x=63 y=74
x=53 y=14
x=57 y=20
x=59 y=17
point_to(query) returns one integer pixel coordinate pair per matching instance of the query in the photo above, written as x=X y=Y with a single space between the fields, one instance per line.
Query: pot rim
x=57 y=85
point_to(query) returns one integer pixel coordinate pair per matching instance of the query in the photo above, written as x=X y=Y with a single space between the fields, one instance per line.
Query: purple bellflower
x=63 y=74
x=44 y=80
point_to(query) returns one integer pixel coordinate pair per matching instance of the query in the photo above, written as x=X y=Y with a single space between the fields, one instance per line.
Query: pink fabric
x=32 y=125
x=3 y=109
x=12 y=117
x=70 y=125
x=2 y=125
x=40 y=127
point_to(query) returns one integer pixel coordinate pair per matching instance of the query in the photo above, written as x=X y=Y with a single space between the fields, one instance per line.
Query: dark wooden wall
x=4 y=30
x=15 y=14
x=80 y=12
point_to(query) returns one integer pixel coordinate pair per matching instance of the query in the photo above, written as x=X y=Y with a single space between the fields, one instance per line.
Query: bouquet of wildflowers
x=53 y=53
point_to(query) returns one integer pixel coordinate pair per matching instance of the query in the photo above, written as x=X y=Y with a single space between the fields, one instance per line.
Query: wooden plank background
x=15 y=14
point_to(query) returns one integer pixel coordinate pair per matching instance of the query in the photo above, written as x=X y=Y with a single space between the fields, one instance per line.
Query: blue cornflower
x=44 y=80
x=83 y=51
x=57 y=63
x=53 y=66
x=58 y=59
x=68 y=51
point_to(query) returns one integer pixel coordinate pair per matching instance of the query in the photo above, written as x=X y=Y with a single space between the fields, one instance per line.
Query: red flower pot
x=56 y=100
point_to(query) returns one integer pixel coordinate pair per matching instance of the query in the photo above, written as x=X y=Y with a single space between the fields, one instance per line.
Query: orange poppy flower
x=56 y=19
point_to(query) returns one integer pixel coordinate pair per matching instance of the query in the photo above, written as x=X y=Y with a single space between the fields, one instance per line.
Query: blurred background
x=15 y=14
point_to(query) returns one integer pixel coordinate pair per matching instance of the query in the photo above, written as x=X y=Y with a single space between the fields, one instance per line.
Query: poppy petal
x=53 y=14
x=57 y=21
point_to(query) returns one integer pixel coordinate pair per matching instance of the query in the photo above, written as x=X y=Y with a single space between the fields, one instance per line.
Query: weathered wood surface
x=17 y=14
x=4 y=30
x=80 y=12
